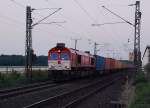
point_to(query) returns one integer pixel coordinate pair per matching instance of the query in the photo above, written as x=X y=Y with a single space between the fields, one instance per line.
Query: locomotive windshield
x=53 y=56
x=64 y=56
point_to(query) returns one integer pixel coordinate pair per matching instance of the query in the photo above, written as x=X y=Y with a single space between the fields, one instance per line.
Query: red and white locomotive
x=67 y=63
x=63 y=58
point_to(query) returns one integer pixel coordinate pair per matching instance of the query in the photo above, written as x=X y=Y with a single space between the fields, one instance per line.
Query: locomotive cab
x=59 y=58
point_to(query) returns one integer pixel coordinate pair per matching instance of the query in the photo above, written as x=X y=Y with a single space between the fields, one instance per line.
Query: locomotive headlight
x=59 y=51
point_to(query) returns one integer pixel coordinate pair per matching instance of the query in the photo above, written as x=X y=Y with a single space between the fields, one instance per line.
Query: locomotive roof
x=73 y=51
x=80 y=52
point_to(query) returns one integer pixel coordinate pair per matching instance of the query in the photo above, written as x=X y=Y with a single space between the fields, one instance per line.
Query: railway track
x=70 y=98
x=7 y=93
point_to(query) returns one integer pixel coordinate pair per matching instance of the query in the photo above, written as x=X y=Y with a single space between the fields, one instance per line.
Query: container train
x=69 y=63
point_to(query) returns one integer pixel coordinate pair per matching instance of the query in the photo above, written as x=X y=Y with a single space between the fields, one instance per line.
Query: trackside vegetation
x=142 y=92
x=19 y=60
x=15 y=78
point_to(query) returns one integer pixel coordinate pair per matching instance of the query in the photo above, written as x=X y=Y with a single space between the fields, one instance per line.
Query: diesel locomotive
x=70 y=63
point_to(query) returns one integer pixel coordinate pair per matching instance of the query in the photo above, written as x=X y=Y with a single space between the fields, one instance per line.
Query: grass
x=39 y=75
x=142 y=92
x=10 y=79
x=15 y=78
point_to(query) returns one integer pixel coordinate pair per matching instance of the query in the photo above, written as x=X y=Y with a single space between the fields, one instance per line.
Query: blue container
x=100 y=63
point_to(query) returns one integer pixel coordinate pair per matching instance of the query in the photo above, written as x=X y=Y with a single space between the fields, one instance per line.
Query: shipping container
x=107 y=63
x=112 y=64
x=119 y=65
x=100 y=63
x=116 y=64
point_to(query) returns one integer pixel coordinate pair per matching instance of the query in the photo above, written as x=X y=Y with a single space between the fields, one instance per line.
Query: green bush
x=11 y=79
x=142 y=92
x=142 y=96
x=140 y=78
x=39 y=75
x=15 y=78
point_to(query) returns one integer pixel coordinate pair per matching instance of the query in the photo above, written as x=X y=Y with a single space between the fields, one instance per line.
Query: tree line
x=19 y=60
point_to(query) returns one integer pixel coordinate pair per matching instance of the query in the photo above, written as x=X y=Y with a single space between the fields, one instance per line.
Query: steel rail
x=80 y=99
x=56 y=98
x=23 y=90
x=24 y=87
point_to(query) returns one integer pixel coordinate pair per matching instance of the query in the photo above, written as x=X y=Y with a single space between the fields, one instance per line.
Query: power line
x=76 y=23
x=113 y=23
x=84 y=10
x=21 y=5
x=10 y=19
x=101 y=24
x=68 y=29
x=107 y=31
x=44 y=8
x=72 y=20
x=15 y=21
x=114 y=32
x=54 y=22
x=75 y=33
x=118 y=16
x=107 y=23
x=17 y=3
x=137 y=26
x=28 y=44
x=46 y=17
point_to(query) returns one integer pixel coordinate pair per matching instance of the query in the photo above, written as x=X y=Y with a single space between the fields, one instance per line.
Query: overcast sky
x=79 y=15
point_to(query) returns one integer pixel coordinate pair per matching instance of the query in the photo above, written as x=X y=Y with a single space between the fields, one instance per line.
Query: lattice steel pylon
x=137 y=34
x=137 y=52
x=28 y=44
